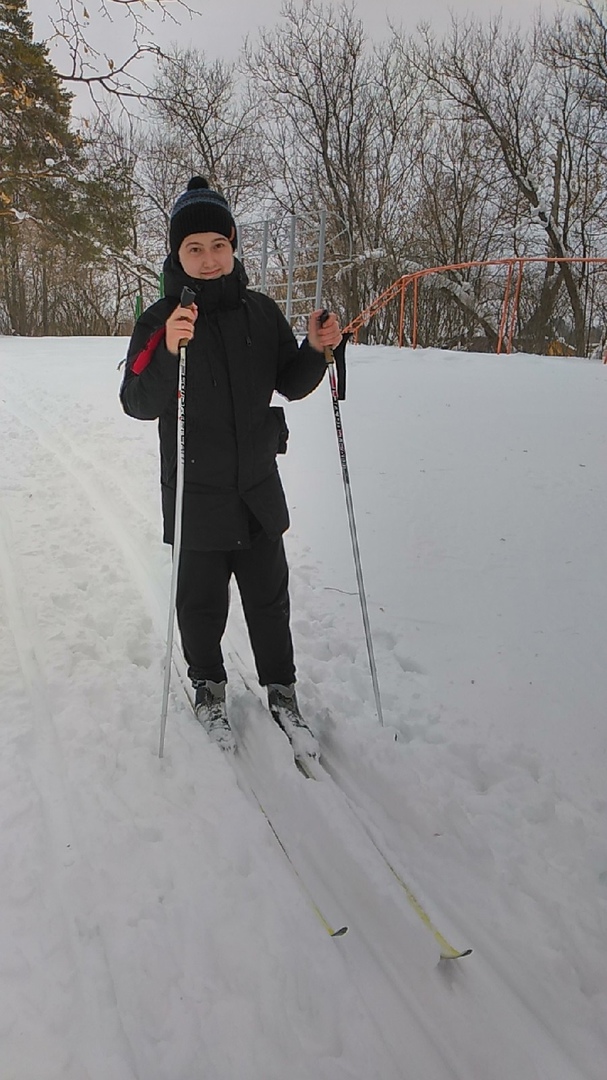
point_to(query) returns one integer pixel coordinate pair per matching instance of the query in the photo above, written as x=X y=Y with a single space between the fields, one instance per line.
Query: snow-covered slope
x=151 y=926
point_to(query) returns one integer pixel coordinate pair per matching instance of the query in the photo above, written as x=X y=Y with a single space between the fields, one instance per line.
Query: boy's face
x=206 y=255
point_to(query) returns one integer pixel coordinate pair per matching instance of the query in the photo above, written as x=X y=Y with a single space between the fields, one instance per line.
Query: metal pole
x=505 y=309
x=401 y=317
x=415 y=295
x=289 y=307
x=176 y=544
x=185 y=301
x=517 y=297
x=353 y=534
x=264 y=255
x=321 y=258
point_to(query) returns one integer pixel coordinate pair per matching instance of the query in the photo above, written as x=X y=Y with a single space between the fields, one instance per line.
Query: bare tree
x=579 y=41
x=76 y=27
x=493 y=78
x=339 y=124
x=203 y=106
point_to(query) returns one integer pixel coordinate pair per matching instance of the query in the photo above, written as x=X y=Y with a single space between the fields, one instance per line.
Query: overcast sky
x=221 y=25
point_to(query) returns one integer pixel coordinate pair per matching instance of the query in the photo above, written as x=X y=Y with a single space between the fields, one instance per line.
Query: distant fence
x=406 y=290
x=286 y=259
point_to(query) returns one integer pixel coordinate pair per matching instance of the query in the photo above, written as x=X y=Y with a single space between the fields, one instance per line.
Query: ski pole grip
x=188 y=296
x=322 y=318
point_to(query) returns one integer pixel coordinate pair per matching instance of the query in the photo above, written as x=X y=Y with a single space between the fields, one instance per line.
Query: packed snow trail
x=415 y=1045
x=69 y=951
x=184 y=910
x=467 y=1020
x=182 y=923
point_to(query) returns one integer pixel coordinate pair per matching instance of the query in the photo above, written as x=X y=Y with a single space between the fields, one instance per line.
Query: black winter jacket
x=243 y=350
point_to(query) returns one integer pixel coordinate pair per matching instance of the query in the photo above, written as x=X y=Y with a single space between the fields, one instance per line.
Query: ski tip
x=340 y=933
x=456 y=955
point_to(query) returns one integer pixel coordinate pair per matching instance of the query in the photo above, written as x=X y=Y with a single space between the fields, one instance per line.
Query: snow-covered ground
x=151 y=926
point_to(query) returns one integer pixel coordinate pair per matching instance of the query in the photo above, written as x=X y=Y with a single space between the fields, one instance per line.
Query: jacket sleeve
x=300 y=367
x=150 y=378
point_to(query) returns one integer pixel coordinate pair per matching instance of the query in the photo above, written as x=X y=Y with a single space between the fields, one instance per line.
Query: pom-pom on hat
x=198 y=210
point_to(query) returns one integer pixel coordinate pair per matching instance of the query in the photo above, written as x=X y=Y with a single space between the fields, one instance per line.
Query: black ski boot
x=210 y=708
x=282 y=702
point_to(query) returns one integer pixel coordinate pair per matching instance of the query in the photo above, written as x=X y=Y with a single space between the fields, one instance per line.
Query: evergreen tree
x=38 y=150
x=63 y=209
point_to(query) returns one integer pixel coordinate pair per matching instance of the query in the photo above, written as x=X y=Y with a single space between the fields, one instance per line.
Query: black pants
x=262 y=575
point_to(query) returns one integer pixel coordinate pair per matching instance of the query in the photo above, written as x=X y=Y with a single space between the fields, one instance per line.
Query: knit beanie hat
x=198 y=210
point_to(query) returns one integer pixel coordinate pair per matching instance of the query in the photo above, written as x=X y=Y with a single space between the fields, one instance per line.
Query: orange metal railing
x=510 y=302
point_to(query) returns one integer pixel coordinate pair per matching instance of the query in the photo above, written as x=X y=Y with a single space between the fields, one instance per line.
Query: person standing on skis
x=240 y=350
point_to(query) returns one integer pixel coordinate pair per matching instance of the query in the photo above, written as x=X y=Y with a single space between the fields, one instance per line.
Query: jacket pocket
x=283 y=431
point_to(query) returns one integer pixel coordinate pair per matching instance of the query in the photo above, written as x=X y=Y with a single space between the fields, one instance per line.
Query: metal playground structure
x=407 y=288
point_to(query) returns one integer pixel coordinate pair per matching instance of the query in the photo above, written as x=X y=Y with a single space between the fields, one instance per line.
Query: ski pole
x=188 y=297
x=329 y=357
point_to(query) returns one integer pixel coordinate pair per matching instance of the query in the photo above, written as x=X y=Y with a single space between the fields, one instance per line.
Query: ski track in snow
x=52 y=464
x=343 y=878
x=67 y=946
x=155 y=928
